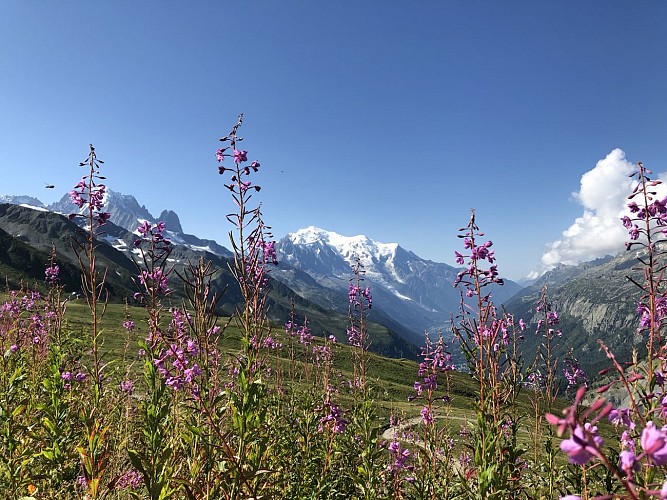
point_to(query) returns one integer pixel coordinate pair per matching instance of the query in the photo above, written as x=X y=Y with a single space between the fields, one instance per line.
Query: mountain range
x=411 y=295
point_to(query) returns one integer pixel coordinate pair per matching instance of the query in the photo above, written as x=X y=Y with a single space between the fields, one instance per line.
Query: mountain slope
x=411 y=291
x=594 y=300
x=41 y=230
x=27 y=236
x=126 y=212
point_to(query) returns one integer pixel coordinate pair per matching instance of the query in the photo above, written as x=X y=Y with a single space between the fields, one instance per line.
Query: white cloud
x=533 y=275
x=598 y=231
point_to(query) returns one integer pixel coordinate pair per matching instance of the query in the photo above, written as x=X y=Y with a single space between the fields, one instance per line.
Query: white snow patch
x=39 y=209
x=201 y=249
x=373 y=255
x=400 y=295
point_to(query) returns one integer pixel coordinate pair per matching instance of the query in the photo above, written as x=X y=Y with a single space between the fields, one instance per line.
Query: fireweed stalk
x=89 y=195
x=647 y=228
x=431 y=473
x=60 y=390
x=361 y=302
x=15 y=338
x=638 y=466
x=544 y=383
x=484 y=338
x=364 y=425
x=253 y=252
x=154 y=457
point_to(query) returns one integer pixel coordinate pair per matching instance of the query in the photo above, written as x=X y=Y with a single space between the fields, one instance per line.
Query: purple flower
x=654 y=443
x=270 y=252
x=76 y=199
x=144 y=228
x=52 y=273
x=219 y=154
x=400 y=456
x=627 y=442
x=126 y=386
x=621 y=416
x=627 y=461
x=132 y=480
x=240 y=156
x=103 y=217
x=579 y=447
x=427 y=417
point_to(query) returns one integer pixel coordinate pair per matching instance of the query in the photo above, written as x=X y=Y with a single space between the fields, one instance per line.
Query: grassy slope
x=393 y=378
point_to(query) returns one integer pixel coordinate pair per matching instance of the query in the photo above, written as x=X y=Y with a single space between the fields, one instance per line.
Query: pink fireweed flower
x=126 y=386
x=102 y=218
x=654 y=443
x=366 y=293
x=352 y=294
x=144 y=228
x=400 y=457
x=130 y=480
x=52 y=273
x=333 y=420
x=240 y=156
x=627 y=461
x=621 y=416
x=270 y=252
x=76 y=199
x=581 y=446
x=427 y=416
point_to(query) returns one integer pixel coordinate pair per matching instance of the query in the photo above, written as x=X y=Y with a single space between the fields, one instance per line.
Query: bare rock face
x=171 y=220
x=594 y=301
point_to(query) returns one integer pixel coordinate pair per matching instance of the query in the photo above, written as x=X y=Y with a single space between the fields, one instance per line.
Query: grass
x=392 y=379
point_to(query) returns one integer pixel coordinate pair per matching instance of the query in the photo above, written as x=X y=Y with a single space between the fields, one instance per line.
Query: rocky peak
x=171 y=220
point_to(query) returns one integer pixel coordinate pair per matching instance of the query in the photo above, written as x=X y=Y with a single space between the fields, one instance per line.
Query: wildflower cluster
x=489 y=342
x=573 y=373
x=360 y=303
x=435 y=360
x=176 y=355
x=154 y=249
x=52 y=274
x=332 y=419
x=474 y=276
x=89 y=193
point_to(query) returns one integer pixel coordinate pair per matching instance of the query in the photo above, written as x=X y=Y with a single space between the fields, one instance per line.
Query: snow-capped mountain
x=415 y=292
x=127 y=213
x=21 y=200
x=39 y=230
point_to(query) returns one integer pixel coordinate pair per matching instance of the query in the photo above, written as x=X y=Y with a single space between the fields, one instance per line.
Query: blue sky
x=386 y=118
